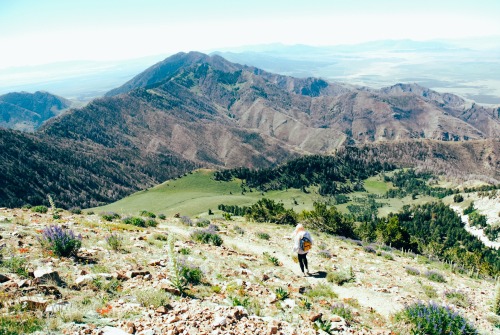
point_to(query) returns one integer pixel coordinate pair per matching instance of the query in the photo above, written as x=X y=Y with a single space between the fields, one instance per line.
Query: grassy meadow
x=197 y=192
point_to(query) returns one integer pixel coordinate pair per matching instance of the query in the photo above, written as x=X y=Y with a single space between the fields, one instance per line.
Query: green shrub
x=162 y=216
x=62 y=242
x=387 y=255
x=151 y=223
x=111 y=287
x=40 y=209
x=305 y=303
x=322 y=291
x=239 y=230
x=325 y=254
x=149 y=296
x=240 y=301
x=435 y=276
x=109 y=216
x=458 y=198
x=384 y=247
x=342 y=311
x=114 y=241
x=469 y=209
x=75 y=210
x=271 y=259
x=192 y=274
x=457 y=298
x=264 y=236
x=147 y=214
x=176 y=279
x=281 y=294
x=202 y=223
x=341 y=277
x=134 y=221
x=184 y=251
x=252 y=306
x=329 y=220
x=324 y=325
x=412 y=271
x=432 y=319
x=160 y=237
x=370 y=249
x=477 y=220
x=207 y=237
x=16 y=265
x=430 y=291
x=20 y=324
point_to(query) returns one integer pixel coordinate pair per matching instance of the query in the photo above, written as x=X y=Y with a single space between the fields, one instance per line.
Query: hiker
x=302 y=243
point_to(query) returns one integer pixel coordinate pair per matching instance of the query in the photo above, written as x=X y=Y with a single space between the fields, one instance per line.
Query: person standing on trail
x=302 y=243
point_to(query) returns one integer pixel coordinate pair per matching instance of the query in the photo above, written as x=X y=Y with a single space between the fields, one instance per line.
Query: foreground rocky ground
x=250 y=284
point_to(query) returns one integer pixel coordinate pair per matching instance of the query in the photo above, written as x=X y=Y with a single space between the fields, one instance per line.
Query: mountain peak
x=169 y=66
x=405 y=88
x=413 y=88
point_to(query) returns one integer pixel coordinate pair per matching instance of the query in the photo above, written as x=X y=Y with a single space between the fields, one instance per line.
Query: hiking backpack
x=305 y=244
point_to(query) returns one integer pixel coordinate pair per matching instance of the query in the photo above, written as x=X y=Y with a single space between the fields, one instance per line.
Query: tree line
x=343 y=172
x=432 y=229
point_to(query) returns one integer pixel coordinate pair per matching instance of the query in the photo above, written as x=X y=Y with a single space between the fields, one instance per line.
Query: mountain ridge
x=28 y=111
x=451 y=107
x=206 y=111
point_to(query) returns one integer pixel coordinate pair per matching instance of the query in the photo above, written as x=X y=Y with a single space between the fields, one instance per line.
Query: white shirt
x=296 y=241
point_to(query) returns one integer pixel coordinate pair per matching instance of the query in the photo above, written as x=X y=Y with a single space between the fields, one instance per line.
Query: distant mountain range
x=194 y=110
x=27 y=111
x=464 y=67
x=469 y=68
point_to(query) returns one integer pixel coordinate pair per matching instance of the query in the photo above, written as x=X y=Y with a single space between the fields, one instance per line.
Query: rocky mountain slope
x=27 y=111
x=249 y=284
x=212 y=111
x=278 y=105
x=196 y=110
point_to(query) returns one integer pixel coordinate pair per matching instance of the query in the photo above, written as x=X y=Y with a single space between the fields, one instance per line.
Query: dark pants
x=303 y=262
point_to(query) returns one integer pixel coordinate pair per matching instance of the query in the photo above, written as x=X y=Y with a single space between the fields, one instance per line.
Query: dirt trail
x=382 y=303
x=478 y=232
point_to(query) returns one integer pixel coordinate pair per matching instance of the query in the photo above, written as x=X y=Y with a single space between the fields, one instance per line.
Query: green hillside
x=197 y=192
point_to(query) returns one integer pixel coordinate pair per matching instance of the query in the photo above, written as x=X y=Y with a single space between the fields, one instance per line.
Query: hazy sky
x=36 y=32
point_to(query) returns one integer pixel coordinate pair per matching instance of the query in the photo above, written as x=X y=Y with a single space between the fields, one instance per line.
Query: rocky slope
x=129 y=290
x=27 y=111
